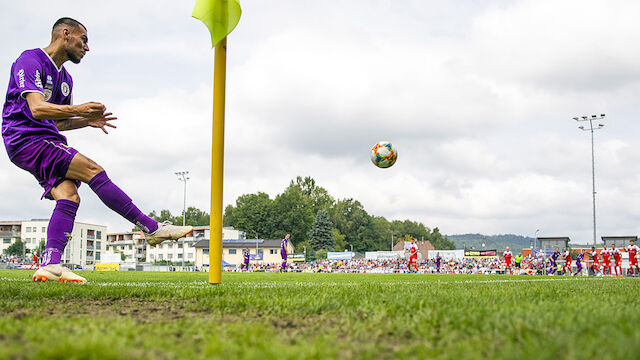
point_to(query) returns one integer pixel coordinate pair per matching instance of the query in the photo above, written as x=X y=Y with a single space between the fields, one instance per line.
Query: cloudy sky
x=477 y=96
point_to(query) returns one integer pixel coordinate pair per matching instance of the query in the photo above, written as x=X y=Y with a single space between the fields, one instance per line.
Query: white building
x=84 y=248
x=133 y=244
x=10 y=232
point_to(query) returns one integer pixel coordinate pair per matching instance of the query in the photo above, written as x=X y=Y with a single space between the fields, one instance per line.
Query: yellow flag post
x=217 y=163
x=220 y=17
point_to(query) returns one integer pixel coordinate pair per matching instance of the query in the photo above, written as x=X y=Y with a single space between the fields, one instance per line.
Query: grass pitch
x=131 y=315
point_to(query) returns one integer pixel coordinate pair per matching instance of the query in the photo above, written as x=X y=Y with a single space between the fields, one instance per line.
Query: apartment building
x=84 y=248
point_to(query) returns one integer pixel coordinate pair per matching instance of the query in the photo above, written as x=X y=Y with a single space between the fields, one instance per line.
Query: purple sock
x=118 y=201
x=59 y=231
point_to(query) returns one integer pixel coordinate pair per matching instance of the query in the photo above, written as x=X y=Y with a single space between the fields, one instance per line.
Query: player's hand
x=92 y=109
x=101 y=122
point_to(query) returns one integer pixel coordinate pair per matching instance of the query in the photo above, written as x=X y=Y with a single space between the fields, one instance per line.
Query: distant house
x=618 y=241
x=423 y=247
x=262 y=251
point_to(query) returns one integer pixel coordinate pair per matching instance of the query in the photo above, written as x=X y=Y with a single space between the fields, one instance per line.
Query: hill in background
x=515 y=242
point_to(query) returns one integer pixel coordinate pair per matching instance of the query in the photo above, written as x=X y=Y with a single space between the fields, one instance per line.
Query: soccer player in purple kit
x=245 y=258
x=579 y=263
x=553 y=260
x=38 y=106
x=283 y=252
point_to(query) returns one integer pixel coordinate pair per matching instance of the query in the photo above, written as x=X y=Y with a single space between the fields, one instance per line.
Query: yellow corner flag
x=220 y=16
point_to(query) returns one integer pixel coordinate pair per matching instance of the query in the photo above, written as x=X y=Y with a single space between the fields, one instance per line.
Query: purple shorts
x=47 y=160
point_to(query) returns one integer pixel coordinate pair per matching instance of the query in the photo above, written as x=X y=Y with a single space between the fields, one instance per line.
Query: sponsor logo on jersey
x=38 y=81
x=21 y=78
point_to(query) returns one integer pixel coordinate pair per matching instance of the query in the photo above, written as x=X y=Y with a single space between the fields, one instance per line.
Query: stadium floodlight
x=593 y=164
x=182 y=176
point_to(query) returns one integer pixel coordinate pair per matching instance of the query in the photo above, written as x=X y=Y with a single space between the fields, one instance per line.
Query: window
x=44 y=229
x=28 y=229
x=160 y=257
x=190 y=255
x=273 y=251
x=169 y=256
x=170 y=246
x=179 y=246
x=6 y=241
x=179 y=256
x=130 y=247
x=98 y=245
x=122 y=247
x=205 y=251
x=98 y=234
x=97 y=256
x=232 y=251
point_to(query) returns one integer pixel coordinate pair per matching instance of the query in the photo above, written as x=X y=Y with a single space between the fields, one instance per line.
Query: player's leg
x=59 y=233
x=86 y=170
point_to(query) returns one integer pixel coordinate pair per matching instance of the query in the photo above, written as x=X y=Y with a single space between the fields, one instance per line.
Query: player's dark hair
x=66 y=21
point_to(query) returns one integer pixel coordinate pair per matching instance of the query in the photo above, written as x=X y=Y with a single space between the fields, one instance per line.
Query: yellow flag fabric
x=220 y=16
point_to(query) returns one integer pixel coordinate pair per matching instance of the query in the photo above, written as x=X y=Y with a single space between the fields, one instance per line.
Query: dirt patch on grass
x=137 y=309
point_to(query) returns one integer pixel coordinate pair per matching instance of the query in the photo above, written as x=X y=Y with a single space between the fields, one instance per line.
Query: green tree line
x=314 y=219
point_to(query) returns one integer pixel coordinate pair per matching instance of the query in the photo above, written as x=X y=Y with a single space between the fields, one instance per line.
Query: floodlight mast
x=182 y=176
x=593 y=164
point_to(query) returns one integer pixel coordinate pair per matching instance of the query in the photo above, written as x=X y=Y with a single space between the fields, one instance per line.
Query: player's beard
x=74 y=59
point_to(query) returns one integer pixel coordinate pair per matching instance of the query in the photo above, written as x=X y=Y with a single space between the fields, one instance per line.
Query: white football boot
x=167 y=231
x=57 y=272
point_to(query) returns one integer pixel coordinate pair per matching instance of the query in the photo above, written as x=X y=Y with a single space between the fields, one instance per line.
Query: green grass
x=131 y=315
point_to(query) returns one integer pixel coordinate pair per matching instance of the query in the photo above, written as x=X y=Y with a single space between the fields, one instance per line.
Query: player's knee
x=74 y=197
x=94 y=169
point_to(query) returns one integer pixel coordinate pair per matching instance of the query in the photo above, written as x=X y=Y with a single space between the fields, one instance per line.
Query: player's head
x=593 y=248
x=73 y=37
x=613 y=246
x=287 y=236
x=632 y=242
x=507 y=248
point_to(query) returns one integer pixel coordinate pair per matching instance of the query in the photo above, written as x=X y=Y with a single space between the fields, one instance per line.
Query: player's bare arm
x=70 y=117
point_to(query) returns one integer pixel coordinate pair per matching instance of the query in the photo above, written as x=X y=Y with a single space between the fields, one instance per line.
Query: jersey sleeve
x=27 y=74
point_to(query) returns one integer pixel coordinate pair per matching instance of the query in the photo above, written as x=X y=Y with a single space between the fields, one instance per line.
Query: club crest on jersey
x=64 y=87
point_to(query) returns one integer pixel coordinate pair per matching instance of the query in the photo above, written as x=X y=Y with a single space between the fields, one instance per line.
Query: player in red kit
x=595 y=261
x=507 y=261
x=413 y=256
x=566 y=268
x=606 y=260
x=617 y=260
x=632 y=249
x=35 y=263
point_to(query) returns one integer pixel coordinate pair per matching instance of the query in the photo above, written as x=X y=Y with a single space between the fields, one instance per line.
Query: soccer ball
x=383 y=154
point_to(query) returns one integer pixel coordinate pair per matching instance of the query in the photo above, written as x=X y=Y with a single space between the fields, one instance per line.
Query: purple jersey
x=246 y=257
x=579 y=258
x=283 y=245
x=33 y=71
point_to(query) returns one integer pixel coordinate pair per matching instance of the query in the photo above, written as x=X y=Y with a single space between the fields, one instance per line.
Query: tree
x=321 y=235
x=41 y=246
x=254 y=214
x=16 y=249
x=338 y=240
x=350 y=218
x=227 y=218
x=292 y=214
x=196 y=217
